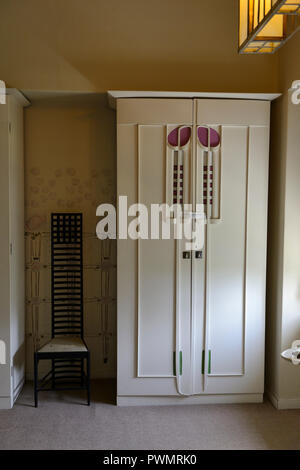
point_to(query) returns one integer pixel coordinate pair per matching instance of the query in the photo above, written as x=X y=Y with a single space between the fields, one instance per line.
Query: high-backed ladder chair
x=67 y=350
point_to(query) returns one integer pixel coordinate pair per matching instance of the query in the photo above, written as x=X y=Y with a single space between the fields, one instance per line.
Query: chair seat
x=65 y=344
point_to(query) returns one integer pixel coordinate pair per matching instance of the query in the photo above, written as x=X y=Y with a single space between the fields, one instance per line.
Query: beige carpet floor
x=62 y=421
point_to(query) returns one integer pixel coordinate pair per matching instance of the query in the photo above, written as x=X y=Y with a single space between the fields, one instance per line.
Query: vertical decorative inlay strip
x=180 y=363
x=246 y=249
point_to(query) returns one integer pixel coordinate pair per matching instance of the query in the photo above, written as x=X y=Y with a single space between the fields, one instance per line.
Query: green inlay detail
x=180 y=363
x=209 y=362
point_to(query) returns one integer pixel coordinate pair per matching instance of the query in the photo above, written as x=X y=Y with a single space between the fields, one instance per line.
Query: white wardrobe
x=191 y=323
x=12 y=266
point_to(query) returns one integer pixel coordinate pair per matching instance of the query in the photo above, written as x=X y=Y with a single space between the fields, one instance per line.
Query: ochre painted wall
x=283 y=301
x=70 y=166
x=289 y=63
x=97 y=45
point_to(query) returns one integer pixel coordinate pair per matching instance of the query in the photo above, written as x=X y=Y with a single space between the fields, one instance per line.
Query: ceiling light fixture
x=265 y=25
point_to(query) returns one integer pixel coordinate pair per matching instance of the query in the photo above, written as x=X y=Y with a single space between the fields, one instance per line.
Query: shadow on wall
x=19 y=369
x=70 y=155
x=130 y=45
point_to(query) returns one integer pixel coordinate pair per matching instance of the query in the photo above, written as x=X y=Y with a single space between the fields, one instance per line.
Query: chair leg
x=88 y=378
x=36 y=364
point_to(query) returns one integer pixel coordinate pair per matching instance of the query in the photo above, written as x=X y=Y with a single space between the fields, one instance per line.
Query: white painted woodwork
x=149 y=111
x=191 y=400
x=114 y=95
x=12 y=267
x=211 y=308
x=233 y=112
x=236 y=251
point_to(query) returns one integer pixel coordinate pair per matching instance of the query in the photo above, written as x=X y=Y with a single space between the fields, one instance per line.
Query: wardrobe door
x=17 y=258
x=154 y=275
x=12 y=266
x=231 y=162
x=5 y=369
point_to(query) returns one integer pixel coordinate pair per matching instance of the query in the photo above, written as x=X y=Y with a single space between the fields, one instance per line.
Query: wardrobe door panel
x=12 y=266
x=156 y=264
x=17 y=273
x=5 y=369
x=149 y=270
x=257 y=210
x=154 y=111
x=233 y=112
x=235 y=248
x=226 y=260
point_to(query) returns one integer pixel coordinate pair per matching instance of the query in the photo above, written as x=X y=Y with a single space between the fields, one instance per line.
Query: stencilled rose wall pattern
x=70 y=166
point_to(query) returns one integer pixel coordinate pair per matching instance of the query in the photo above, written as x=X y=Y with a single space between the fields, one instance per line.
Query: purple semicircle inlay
x=203 y=137
x=185 y=135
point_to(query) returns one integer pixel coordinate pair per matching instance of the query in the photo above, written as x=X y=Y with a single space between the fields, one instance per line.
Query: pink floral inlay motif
x=203 y=137
x=185 y=135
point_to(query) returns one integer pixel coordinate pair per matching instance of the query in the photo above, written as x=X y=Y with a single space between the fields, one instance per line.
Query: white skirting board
x=283 y=403
x=5 y=403
x=18 y=389
x=193 y=400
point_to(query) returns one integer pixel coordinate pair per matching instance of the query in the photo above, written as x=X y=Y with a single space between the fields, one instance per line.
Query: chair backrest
x=66 y=274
